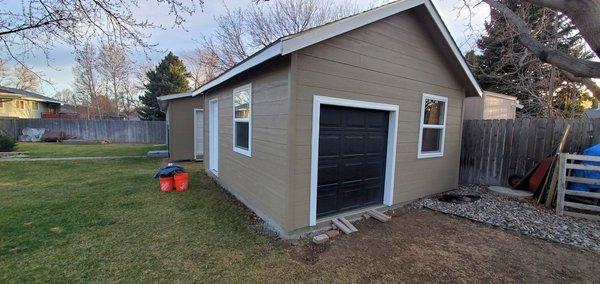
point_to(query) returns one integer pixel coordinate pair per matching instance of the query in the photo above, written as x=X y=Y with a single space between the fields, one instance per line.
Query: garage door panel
x=329 y=145
x=352 y=156
x=377 y=120
x=376 y=144
x=353 y=145
x=352 y=171
x=328 y=174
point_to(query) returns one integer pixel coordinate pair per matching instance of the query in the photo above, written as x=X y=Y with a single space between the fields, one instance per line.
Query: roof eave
x=289 y=44
x=269 y=52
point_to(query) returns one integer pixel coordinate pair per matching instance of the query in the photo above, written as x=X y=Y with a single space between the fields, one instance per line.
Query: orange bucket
x=166 y=184
x=181 y=181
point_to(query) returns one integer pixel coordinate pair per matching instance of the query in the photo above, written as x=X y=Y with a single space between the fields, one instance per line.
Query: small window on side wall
x=242 y=120
x=433 y=126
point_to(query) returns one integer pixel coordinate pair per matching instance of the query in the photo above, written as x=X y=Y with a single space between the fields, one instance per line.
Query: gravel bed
x=520 y=216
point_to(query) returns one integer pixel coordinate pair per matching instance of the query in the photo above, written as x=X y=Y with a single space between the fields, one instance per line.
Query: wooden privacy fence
x=493 y=150
x=119 y=131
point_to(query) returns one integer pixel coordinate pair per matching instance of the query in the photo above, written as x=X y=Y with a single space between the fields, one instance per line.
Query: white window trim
x=440 y=153
x=390 y=161
x=242 y=151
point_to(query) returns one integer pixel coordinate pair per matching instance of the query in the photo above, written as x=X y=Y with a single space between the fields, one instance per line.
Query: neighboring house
x=17 y=103
x=491 y=106
x=365 y=112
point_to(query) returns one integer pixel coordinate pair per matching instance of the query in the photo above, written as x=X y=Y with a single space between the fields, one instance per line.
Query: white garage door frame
x=390 y=161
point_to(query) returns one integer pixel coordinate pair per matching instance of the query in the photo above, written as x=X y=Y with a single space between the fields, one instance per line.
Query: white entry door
x=213 y=136
x=198 y=134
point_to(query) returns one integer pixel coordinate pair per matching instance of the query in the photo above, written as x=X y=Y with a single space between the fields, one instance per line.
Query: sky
x=179 y=40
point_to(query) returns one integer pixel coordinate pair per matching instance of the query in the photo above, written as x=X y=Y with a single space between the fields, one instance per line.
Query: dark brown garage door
x=352 y=153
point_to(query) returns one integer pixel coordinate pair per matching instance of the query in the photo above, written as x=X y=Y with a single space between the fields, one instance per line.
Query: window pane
x=434 y=112
x=241 y=101
x=242 y=129
x=431 y=140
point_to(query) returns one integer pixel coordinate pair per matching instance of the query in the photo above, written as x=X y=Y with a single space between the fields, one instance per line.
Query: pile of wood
x=542 y=180
x=554 y=191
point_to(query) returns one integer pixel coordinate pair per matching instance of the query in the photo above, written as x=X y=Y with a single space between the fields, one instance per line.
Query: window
x=20 y=104
x=242 y=120
x=433 y=126
x=36 y=105
x=1 y=104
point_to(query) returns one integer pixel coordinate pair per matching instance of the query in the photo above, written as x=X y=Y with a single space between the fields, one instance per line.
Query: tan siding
x=262 y=181
x=392 y=61
x=181 y=127
x=9 y=109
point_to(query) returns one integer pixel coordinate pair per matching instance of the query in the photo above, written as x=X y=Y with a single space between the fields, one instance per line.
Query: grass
x=107 y=221
x=56 y=150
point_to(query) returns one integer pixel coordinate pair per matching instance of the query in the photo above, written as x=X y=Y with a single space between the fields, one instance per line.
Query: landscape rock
x=520 y=216
x=333 y=233
x=320 y=239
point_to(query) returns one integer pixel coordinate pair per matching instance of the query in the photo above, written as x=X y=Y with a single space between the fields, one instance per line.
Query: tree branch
x=578 y=67
x=587 y=82
x=583 y=13
x=35 y=26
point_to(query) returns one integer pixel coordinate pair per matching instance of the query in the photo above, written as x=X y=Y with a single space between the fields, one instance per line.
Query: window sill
x=242 y=151
x=427 y=155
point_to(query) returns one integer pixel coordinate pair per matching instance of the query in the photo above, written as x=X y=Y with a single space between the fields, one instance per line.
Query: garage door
x=352 y=154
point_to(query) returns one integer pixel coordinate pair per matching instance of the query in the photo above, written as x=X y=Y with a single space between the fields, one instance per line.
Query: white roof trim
x=256 y=59
x=312 y=36
x=174 y=96
x=307 y=38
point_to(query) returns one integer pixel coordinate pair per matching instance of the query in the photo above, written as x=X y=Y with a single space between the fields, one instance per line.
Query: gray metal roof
x=29 y=95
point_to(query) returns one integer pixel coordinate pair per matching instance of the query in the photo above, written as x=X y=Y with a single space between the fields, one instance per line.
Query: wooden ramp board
x=338 y=224
x=379 y=216
x=348 y=224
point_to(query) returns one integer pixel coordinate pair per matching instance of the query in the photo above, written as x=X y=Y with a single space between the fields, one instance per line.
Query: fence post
x=562 y=184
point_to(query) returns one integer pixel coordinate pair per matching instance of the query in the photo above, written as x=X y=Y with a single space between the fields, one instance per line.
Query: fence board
x=493 y=150
x=119 y=131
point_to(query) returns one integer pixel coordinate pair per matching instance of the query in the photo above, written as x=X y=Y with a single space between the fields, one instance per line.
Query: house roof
x=294 y=42
x=27 y=95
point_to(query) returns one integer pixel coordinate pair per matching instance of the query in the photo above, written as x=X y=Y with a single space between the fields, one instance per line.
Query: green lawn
x=106 y=221
x=55 y=150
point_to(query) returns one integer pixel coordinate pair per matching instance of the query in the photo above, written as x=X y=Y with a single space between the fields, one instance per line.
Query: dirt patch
x=423 y=245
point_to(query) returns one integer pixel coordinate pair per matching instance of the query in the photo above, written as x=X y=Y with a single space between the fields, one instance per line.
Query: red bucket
x=181 y=181
x=166 y=184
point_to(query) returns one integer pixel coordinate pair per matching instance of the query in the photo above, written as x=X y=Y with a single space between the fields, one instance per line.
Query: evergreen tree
x=169 y=77
x=507 y=67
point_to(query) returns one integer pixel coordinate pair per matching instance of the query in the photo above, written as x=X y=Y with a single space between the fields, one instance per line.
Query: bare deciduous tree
x=86 y=76
x=26 y=79
x=36 y=25
x=585 y=16
x=3 y=72
x=241 y=32
x=202 y=66
x=116 y=69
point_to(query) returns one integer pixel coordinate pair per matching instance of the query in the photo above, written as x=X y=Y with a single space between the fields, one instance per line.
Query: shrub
x=7 y=144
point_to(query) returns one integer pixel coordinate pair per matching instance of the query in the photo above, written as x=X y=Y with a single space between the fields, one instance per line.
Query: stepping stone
x=510 y=192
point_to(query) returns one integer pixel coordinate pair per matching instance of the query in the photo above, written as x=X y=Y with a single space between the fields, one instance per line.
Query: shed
x=491 y=106
x=361 y=113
